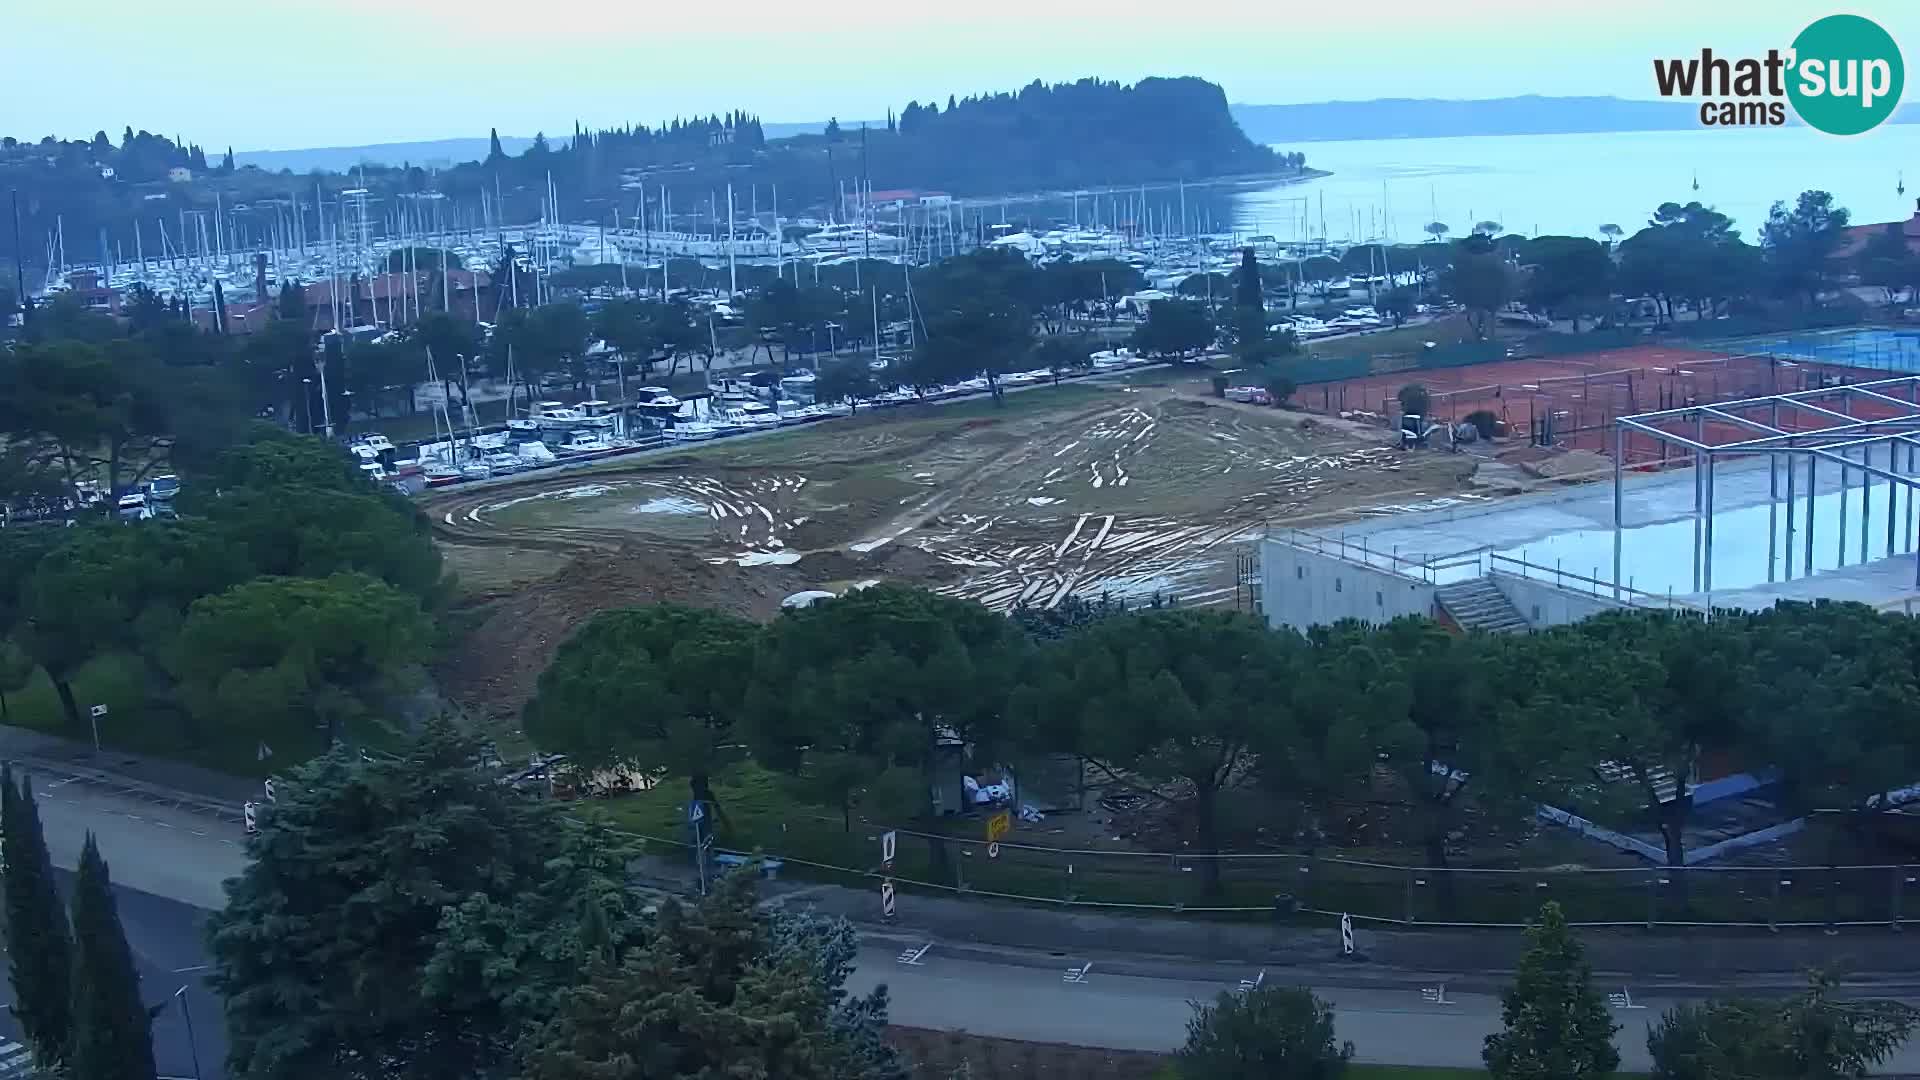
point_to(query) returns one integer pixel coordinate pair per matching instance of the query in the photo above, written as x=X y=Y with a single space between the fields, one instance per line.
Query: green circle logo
x=1847 y=75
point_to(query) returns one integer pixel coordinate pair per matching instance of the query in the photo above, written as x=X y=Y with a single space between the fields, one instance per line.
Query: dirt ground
x=1135 y=490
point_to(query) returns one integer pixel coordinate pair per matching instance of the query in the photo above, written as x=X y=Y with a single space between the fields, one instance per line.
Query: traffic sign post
x=1346 y=935
x=268 y=787
x=697 y=813
x=993 y=850
x=999 y=825
x=886 y=899
x=96 y=713
x=247 y=812
x=888 y=845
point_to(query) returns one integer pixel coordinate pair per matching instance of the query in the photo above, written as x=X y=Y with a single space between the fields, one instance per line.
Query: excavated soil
x=1132 y=492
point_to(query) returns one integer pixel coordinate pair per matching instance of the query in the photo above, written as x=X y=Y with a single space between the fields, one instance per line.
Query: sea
x=1389 y=189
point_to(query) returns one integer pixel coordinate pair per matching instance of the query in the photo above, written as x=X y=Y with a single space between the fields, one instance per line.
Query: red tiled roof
x=1856 y=236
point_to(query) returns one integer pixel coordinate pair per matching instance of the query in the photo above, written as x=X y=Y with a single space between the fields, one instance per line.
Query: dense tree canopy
x=977 y=311
x=1175 y=328
x=889 y=683
x=297 y=655
x=650 y=688
x=1799 y=242
x=345 y=905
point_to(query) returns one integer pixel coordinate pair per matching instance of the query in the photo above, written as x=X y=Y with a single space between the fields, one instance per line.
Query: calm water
x=1571 y=184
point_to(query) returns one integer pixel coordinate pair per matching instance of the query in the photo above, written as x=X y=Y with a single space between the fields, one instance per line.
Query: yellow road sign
x=999 y=825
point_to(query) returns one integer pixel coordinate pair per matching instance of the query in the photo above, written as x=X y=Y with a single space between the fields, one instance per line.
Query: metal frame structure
x=1820 y=425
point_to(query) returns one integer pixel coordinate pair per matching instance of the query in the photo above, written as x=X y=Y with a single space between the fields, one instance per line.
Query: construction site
x=1152 y=489
x=1139 y=490
x=1692 y=479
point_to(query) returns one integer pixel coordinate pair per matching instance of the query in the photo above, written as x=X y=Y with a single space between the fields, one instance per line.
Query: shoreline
x=1237 y=181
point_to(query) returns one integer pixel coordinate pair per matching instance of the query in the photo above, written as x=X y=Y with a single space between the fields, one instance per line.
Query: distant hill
x=1091 y=133
x=442 y=153
x=1423 y=118
x=433 y=153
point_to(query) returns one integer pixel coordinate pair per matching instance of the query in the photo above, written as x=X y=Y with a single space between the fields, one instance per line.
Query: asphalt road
x=169 y=950
x=168 y=864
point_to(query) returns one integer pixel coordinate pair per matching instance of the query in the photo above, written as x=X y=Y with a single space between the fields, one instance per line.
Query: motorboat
x=734 y=391
x=163 y=488
x=761 y=415
x=691 y=431
x=851 y=240
x=553 y=416
x=133 y=507
x=377 y=442
x=502 y=463
x=440 y=474
x=475 y=470
x=582 y=443
x=534 y=455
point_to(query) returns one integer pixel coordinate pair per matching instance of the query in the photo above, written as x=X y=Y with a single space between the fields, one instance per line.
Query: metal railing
x=128 y=787
x=1284 y=885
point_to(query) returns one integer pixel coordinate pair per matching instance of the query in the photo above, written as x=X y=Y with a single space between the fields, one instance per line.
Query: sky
x=267 y=74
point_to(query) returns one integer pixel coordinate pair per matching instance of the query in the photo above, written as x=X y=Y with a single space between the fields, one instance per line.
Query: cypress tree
x=493 y=145
x=39 y=954
x=1556 y=1025
x=112 y=1029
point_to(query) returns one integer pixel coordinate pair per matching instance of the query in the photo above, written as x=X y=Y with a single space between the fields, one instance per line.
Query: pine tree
x=38 y=945
x=226 y=163
x=493 y=145
x=292 y=303
x=1557 y=1027
x=112 y=1029
x=710 y=995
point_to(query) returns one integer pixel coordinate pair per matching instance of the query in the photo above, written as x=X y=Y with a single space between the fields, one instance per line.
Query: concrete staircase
x=1479 y=605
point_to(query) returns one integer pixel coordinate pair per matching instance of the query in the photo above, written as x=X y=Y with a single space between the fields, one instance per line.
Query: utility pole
x=20 y=265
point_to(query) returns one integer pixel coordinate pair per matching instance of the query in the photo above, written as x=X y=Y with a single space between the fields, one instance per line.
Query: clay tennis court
x=1572 y=401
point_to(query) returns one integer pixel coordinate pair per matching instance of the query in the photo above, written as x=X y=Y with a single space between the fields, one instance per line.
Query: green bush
x=1270 y=1031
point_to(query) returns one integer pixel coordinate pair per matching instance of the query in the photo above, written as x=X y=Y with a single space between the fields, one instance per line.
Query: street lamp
x=306 y=398
x=193 y=1047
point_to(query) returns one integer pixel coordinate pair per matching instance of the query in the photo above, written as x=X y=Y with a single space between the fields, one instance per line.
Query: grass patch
x=140 y=722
